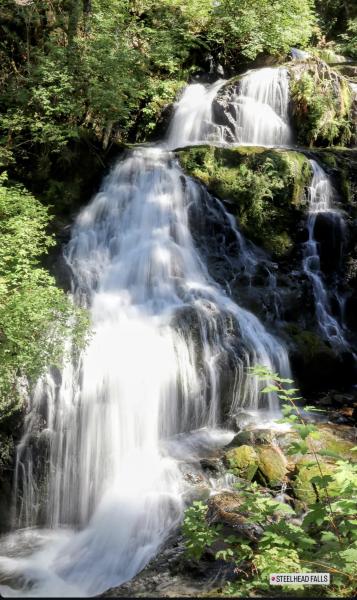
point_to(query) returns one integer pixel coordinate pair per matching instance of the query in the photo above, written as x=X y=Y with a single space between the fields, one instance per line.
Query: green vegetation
x=35 y=316
x=315 y=532
x=334 y=16
x=348 y=40
x=321 y=105
x=266 y=186
x=100 y=64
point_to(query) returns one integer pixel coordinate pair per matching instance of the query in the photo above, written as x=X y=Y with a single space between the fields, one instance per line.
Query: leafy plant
x=198 y=535
x=322 y=536
x=35 y=315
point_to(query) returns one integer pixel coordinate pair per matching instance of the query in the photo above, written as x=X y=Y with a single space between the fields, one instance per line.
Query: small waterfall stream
x=261 y=107
x=321 y=195
x=169 y=351
x=257 y=112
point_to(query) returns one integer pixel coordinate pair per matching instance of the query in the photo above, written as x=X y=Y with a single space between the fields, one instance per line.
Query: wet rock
x=211 y=465
x=171 y=575
x=252 y=437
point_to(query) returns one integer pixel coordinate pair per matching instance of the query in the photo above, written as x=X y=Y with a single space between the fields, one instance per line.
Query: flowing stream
x=321 y=195
x=256 y=112
x=164 y=369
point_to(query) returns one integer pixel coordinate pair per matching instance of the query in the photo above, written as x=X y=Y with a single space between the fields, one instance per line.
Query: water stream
x=165 y=368
x=256 y=112
x=321 y=196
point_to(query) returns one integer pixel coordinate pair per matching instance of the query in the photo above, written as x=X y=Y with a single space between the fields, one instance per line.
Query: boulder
x=224 y=509
x=303 y=487
x=243 y=461
x=272 y=464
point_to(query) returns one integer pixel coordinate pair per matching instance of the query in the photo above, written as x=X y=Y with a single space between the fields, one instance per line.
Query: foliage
x=34 y=313
x=198 y=535
x=321 y=105
x=100 y=64
x=348 y=43
x=320 y=537
x=334 y=15
x=251 y=27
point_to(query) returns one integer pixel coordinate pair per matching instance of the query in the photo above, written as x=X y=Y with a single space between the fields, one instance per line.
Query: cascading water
x=298 y=54
x=169 y=350
x=193 y=120
x=262 y=108
x=257 y=114
x=321 y=196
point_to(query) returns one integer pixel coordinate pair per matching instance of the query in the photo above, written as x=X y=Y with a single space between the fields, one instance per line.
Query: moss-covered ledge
x=321 y=104
x=266 y=186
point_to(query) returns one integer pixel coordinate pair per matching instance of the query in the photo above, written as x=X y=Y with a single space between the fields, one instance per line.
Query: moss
x=333 y=443
x=303 y=486
x=321 y=104
x=243 y=461
x=272 y=464
x=309 y=344
x=267 y=188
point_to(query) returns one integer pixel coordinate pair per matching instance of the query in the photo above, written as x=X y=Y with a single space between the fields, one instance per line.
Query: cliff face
x=267 y=191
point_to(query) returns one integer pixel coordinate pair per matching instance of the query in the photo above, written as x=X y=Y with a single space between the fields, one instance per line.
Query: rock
x=340 y=442
x=168 y=575
x=251 y=437
x=212 y=465
x=224 y=509
x=272 y=464
x=307 y=469
x=243 y=461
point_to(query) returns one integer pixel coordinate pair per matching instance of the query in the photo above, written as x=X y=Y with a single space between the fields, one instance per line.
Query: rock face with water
x=193 y=267
x=306 y=292
x=147 y=376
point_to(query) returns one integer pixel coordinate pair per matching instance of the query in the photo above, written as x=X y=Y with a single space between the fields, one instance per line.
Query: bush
x=35 y=316
x=319 y=536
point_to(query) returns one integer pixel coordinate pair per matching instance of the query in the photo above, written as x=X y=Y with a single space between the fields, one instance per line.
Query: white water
x=262 y=108
x=298 y=54
x=258 y=114
x=321 y=195
x=169 y=349
x=193 y=120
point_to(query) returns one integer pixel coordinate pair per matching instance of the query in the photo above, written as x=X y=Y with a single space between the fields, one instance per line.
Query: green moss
x=243 y=461
x=321 y=103
x=331 y=442
x=308 y=343
x=272 y=464
x=303 y=486
x=266 y=186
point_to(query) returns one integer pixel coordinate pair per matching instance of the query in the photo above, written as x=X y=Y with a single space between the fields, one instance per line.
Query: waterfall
x=256 y=113
x=168 y=358
x=262 y=108
x=321 y=195
x=298 y=54
x=193 y=120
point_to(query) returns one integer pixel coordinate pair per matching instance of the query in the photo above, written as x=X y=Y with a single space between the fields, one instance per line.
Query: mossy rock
x=321 y=102
x=243 y=461
x=330 y=442
x=272 y=464
x=252 y=437
x=308 y=342
x=266 y=186
x=303 y=486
